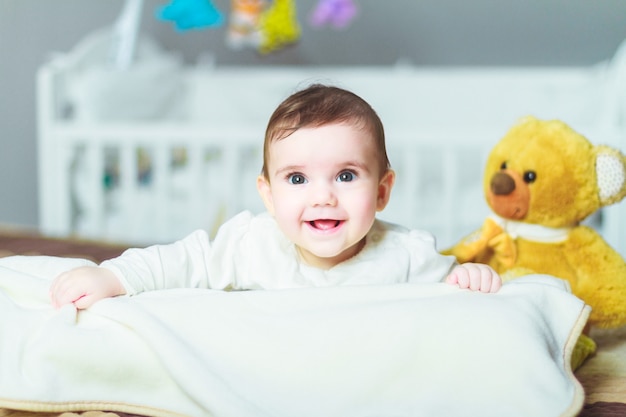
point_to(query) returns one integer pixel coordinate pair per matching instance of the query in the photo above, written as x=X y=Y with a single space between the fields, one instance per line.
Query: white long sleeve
x=182 y=264
x=250 y=252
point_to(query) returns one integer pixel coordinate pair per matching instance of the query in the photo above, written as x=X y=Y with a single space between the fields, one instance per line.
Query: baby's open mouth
x=325 y=224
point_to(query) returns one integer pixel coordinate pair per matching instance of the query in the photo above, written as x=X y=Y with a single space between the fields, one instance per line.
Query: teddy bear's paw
x=585 y=348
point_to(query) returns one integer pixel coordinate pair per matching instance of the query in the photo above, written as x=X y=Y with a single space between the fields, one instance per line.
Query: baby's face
x=324 y=190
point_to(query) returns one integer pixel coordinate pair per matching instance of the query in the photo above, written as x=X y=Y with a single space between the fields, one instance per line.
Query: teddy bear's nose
x=502 y=184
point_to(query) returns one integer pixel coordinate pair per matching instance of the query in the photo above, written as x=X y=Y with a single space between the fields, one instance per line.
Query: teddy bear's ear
x=610 y=174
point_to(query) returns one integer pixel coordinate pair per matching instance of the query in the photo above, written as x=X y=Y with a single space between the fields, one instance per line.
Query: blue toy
x=191 y=14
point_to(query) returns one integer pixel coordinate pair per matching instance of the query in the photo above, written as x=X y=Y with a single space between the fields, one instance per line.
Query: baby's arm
x=84 y=286
x=182 y=264
x=476 y=277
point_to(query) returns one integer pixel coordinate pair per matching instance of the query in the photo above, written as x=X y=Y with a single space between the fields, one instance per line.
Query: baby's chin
x=326 y=258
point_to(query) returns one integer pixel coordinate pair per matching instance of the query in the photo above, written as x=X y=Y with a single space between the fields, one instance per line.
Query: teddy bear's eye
x=530 y=176
x=503 y=166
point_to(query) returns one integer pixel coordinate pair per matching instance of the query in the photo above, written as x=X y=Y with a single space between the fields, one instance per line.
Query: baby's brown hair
x=319 y=105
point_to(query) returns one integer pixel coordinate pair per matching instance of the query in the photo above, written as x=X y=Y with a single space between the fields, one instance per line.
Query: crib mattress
x=602 y=376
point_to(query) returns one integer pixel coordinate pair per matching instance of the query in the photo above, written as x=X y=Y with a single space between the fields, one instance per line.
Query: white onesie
x=250 y=252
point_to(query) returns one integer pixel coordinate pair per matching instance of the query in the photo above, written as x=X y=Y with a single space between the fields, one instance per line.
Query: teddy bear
x=541 y=180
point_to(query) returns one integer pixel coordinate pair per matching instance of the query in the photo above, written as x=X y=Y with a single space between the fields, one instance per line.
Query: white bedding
x=400 y=350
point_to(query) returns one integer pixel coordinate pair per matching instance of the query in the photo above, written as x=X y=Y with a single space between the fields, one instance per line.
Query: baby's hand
x=476 y=277
x=84 y=286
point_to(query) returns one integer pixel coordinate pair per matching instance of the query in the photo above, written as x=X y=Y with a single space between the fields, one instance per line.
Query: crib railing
x=127 y=181
x=157 y=182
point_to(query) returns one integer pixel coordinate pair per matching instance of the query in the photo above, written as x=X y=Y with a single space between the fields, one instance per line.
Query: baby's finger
x=58 y=287
x=490 y=280
x=474 y=274
x=84 y=301
x=67 y=295
x=463 y=278
x=452 y=279
x=486 y=280
x=496 y=282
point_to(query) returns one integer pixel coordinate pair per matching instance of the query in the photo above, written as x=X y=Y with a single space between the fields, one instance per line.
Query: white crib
x=149 y=154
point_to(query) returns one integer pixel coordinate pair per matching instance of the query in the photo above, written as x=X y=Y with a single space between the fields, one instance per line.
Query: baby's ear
x=384 y=189
x=265 y=191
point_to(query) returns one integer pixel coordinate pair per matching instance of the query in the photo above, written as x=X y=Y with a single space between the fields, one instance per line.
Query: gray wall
x=424 y=32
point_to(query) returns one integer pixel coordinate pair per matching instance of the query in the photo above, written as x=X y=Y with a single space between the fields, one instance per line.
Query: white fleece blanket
x=379 y=351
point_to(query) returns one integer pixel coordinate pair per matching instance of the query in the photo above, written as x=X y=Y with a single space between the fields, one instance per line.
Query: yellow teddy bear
x=542 y=179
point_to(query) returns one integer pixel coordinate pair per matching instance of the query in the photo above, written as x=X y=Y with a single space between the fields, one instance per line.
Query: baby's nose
x=323 y=195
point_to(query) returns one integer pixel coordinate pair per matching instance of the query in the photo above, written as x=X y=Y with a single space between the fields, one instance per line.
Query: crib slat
x=159 y=187
x=62 y=212
x=94 y=218
x=197 y=206
x=411 y=176
x=450 y=175
x=231 y=171
x=129 y=212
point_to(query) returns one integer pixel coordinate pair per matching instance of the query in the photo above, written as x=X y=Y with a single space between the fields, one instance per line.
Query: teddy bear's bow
x=490 y=236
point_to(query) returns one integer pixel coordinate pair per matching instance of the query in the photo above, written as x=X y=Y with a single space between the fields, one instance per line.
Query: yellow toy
x=542 y=180
x=279 y=26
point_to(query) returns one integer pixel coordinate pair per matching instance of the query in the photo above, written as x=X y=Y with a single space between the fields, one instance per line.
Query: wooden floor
x=18 y=242
x=603 y=376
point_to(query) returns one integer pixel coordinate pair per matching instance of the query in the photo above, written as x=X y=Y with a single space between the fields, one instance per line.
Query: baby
x=325 y=176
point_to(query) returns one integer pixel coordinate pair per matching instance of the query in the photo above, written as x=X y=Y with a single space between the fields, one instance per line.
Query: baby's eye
x=296 y=179
x=345 y=176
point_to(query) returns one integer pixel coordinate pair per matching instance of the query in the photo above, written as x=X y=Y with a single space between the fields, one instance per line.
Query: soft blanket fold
x=392 y=350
